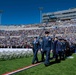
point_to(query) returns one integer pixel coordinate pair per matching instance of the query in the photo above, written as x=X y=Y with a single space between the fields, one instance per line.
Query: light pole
x=40 y=8
x=1 y=11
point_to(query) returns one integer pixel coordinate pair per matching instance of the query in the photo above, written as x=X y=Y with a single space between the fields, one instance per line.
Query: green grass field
x=66 y=67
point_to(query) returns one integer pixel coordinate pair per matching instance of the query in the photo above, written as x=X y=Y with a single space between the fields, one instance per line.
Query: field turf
x=65 y=67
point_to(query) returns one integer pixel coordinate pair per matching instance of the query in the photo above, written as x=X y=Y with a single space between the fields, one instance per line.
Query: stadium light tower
x=40 y=8
x=1 y=11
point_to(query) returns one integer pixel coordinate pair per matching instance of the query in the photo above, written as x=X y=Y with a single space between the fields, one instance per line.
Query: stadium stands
x=16 y=36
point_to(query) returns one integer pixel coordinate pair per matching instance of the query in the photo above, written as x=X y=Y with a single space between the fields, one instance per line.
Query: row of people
x=56 y=30
x=20 y=42
x=59 y=22
x=59 y=47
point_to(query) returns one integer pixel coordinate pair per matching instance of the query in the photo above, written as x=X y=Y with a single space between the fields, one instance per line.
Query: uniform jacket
x=35 y=44
x=46 y=43
x=58 y=46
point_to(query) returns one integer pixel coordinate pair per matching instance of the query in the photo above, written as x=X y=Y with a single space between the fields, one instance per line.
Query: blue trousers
x=35 y=58
x=47 y=53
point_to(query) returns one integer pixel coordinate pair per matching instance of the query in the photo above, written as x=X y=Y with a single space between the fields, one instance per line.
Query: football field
x=65 y=67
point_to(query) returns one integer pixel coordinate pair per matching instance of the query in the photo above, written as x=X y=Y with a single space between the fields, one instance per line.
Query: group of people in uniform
x=47 y=46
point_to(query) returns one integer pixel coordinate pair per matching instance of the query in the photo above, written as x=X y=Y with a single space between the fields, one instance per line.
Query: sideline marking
x=21 y=69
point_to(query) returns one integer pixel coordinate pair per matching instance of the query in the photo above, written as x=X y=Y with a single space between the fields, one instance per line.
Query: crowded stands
x=17 y=36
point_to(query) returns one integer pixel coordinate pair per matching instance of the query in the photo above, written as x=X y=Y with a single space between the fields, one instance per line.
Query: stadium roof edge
x=58 y=11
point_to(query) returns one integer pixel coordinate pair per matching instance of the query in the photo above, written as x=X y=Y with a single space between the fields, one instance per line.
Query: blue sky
x=27 y=12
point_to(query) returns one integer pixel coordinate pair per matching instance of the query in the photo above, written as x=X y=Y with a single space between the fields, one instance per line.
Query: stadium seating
x=17 y=35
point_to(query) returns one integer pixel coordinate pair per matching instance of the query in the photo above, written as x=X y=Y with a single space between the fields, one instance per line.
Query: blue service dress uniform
x=35 y=50
x=63 y=49
x=58 y=49
x=46 y=47
x=40 y=46
x=54 y=48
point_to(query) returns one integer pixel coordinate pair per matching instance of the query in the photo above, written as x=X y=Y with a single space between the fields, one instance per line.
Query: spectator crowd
x=24 y=36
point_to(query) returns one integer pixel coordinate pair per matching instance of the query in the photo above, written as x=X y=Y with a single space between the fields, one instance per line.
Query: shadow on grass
x=53 y=62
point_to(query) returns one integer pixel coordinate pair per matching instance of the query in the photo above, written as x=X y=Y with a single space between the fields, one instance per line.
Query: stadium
x=17 y=35
x=17 y=38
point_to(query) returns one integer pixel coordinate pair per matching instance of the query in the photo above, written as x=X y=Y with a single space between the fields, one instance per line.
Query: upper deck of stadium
x=59 y=15
x=38 y=26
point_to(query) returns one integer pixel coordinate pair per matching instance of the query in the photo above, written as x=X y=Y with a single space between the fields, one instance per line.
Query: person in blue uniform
x=46 y=48
x=35 y=44
x=54 y=47
x=67 y=51
x=57 y=49
x=40 y=43
x=63 y=48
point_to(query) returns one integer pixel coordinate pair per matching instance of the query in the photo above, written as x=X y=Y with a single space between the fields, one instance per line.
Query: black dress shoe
x=46 y=65
x=37 y=61
x=33 y=63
